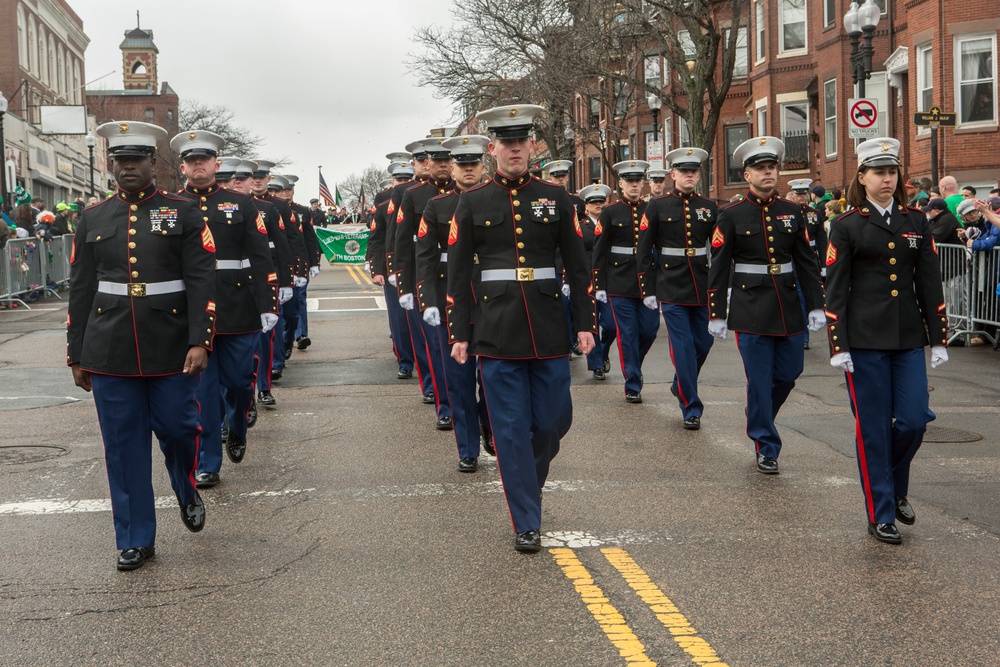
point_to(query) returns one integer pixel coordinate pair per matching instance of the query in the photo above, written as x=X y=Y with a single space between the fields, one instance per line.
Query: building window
x=43 y=63
x=795 y=135
x=667 y=138
x=651 y=70
x=735 y=135
x=150 y=115
x=77 y=84
x=687 y=44
x=741 y=65
x=792 y=24
x=975 y=78
x=762 y=121
x=620 y=94
x=32 y=46
x=761 y=27
x=925 y=77
x=830 y=13
x=22 y=38
x=683 y=134
x=595 y=170
x=830 y=116
x=595 y=113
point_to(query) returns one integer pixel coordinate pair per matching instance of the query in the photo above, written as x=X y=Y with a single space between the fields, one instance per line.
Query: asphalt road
x=348 y=537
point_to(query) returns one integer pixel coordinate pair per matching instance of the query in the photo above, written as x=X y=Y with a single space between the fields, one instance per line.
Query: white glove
x=822 y=272
x=299 y=281
x=843 y=361
x=817 y=320
x=313 y=271
x=267 y=321
x=939 y=355
x=432 y=316
x=406 y=301
x=650 y=302
x=601 y=296
x=284 y=294
x=718 y=328
x=368 y=268
x=565 y=290
x=392 y=279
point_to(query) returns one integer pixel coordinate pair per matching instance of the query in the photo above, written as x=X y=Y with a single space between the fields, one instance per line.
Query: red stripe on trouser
x=862 y=457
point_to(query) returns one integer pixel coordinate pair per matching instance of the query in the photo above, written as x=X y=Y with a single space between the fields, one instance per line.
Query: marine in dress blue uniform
x=657 y=182
x=884 y=303
x=300 y=333
x=758 y=245
x=616 y=272
x=288 y=312
x=245 y=301
x=815 y=232
x=431 y=275
x=673 y=273
x=558 y=171
x=594 y=198
x=411 y=209
x=515 y=224
x=139 y=328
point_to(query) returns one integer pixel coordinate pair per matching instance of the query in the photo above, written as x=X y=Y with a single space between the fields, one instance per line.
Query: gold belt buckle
x=774 y=269
x=690 y=252
x=525 y=273
x=137 y=289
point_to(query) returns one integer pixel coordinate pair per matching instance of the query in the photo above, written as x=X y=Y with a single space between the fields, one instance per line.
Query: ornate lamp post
x=655 y=104
x=861 y=22
x=91 y=141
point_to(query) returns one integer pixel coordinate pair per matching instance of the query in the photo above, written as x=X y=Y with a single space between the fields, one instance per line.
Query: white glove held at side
x=843 y=361
x=650 y=302
x=718 y=328
x=299 y=281
x=939 y=355
x=267 y=321
x=601 y=295
x=313 y=271
x=284 y=294
x=406 y=301
x=817 y=320
x=565 y=290
x=432 y=316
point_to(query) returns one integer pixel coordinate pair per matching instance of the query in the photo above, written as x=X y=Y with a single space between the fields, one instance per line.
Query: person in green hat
x=63 y=221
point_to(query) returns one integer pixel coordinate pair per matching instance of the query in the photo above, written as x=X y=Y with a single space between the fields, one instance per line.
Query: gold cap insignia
x=192 y=135
x=763 y=141
x=512 y=112
x=690 y=151
x=123 y=128
x=886 y=146
x=633 y=164
x=440 y=141
x=465 y=141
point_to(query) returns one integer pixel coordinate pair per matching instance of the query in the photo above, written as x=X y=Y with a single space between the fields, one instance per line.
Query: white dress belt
x=140 y=289
x=763 y=269
x=222 y=264
x=622 y=250
x=683 y=252
x=522 y=274
x=270 y=244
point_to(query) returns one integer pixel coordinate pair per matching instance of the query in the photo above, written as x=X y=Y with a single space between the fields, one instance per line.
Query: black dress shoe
x=486 y=439
x=673 y=390
x=904 y=512
x=404 y=374
x=885 y=532
x=252 y=413
x=599 y=374
x=236 y=448
x=304 y=342
x=288 y=353
x=225 y=433
x=193 y=515
x=607 y=366
x=134 y=558
x=767 y=464
x=633 y=397
x=692 y=423
x=470 y=464
x=428 y=398
x=266 y=398
x=807 y=345
x=275 y=376
x=530 y=541
x=206 y=480
x=444 y=424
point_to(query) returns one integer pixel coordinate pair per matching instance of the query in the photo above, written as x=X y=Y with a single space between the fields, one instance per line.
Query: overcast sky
x=324 y=83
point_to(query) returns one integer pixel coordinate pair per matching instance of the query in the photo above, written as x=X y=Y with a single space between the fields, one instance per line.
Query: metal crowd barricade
x=30 y=268
x=984 y=301
x=955 y=279
x=57 y=268
x=970 y=290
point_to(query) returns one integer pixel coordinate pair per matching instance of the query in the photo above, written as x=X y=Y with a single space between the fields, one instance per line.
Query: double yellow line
x=613 y=623
x=359 y=274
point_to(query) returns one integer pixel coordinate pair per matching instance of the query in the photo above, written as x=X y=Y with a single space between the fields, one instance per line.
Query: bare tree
x=369 y=178
x=240 y=141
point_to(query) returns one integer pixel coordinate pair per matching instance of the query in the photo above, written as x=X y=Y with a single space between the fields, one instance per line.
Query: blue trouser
x=805 y=315
x=225 y=391
x=484 y=413
x=602 y=342
x=460 y=380
x=435 y=358
x=290 y=315
x=569 y=320
x=530 y=410
x=772 y=364
x=129 y=410
x=278 y=340
x=265 y=359
x=419 y=341
x=399 y=329
x=690 y=343
x=302 y=330
x=637 y=327
x=888 y=391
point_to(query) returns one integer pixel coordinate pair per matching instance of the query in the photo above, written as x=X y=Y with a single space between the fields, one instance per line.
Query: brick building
x=141 y=100
x=793 y=80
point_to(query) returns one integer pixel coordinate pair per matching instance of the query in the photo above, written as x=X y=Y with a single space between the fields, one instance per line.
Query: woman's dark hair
x=857 y=196
x=24 y=217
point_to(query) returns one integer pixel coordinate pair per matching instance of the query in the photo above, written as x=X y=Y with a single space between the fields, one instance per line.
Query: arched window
x=138 y=68
x=22 y=38
x=43 y=61
x=53 y=72
x=77 y=84
x=60 y=78
x=32 y=47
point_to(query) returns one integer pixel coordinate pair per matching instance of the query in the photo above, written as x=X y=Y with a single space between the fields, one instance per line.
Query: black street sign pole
x=934 y=118
x=934 y=154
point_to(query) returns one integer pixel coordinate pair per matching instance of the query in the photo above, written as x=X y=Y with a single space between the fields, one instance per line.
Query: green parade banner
x=343 y=244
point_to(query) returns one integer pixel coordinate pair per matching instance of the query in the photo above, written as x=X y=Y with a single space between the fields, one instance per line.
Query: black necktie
x=886 y=219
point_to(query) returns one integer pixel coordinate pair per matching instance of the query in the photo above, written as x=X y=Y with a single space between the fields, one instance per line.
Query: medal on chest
x=229 y=208
x=158 y=217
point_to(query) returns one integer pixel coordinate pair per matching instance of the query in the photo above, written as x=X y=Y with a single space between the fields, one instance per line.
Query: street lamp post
x=570 y=136
x=91 y=141
x=655 y=103
x=860 y=22
x=3 y=154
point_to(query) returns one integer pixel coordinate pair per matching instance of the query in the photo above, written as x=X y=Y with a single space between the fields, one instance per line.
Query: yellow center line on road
x=350 y=272
x=608 y=617
x=670 y=616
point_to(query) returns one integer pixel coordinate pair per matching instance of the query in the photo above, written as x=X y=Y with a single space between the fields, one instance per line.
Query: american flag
x=324 y=190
